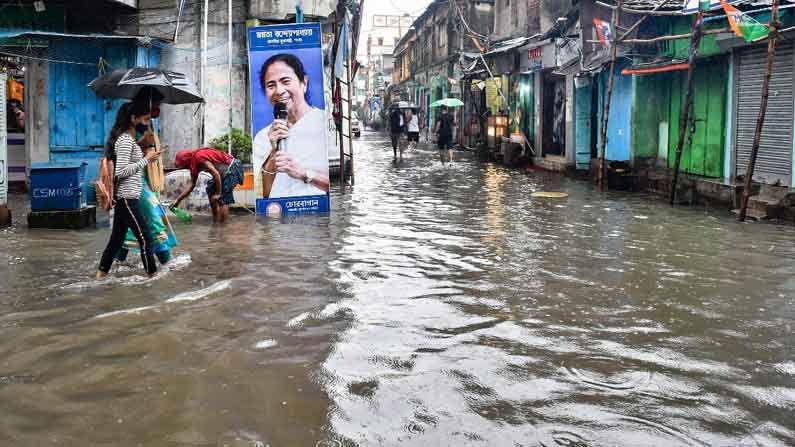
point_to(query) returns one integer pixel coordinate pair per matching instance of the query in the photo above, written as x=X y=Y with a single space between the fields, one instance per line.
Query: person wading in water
x=129 y=166
x=396 y=126
x=444 y=134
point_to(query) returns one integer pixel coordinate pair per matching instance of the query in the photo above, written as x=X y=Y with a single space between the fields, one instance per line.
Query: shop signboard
x=493 y=98
x=537 y=58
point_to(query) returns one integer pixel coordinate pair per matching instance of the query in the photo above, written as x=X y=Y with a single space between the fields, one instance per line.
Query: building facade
x=537 y=75
x=50 y=55
x=430 y=59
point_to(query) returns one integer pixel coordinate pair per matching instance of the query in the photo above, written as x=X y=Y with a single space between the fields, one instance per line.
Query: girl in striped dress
x=130 y=162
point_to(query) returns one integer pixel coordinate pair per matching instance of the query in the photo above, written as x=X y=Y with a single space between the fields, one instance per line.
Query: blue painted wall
x=619 y=129
x=584 y=122
x=147 y=57
x=79 y=121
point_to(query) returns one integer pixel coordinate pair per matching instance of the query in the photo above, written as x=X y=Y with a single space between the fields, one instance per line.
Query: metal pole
x=342 y=140
x=229 y=64
x=179 y=15
x=760 y=121
x=350 y=112
x=203 y=68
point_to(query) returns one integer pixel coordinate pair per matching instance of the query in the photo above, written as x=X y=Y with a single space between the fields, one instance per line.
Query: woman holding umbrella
x=161 y=232
x=130 y=162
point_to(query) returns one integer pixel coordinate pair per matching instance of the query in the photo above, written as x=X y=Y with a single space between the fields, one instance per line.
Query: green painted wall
x=703 y=154
x=680 y=48
x=652 y=106
x=440 y=89
x=527 y=105
x=658 y=99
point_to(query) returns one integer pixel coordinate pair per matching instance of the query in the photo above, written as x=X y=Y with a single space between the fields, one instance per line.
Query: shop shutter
x=3 y=143
x=774 y=160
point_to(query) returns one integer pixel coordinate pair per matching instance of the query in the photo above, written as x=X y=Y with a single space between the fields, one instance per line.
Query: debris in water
x=549 y=195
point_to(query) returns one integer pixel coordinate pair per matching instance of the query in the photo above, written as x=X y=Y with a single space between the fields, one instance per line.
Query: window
x=442 y=31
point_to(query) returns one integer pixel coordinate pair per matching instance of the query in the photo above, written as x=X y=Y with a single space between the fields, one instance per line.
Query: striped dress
x=129 y=163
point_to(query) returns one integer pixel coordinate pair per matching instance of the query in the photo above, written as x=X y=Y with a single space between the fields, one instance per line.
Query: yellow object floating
x=550 y=195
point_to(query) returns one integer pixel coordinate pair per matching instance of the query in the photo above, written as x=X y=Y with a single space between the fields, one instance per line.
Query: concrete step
x=762 y=210
x=64 y=220
x=755 y=213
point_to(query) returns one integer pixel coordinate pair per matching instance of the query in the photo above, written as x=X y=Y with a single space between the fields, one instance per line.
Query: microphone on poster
x=280 y=113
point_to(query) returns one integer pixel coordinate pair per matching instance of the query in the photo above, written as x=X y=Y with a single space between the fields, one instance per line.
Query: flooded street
x=437 y=305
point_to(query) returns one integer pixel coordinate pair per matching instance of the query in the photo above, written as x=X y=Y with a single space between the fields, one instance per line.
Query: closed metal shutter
x=774 y=160
x=3 y=143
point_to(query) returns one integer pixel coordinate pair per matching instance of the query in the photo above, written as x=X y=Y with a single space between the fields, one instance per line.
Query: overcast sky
x=392 y=7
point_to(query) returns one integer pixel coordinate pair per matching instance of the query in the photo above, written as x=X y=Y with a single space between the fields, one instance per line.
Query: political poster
x=288 y=119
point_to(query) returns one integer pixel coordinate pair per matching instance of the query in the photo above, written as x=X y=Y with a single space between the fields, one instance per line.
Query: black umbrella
x=175 y=87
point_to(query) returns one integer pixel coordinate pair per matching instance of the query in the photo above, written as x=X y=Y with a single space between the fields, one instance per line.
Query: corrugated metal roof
x=506 y=45
x=651 y=4
x=12 y=34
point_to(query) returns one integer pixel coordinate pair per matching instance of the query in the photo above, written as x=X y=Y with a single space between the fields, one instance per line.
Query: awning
x=130 y=3
x=47 y=34
x=645 y=69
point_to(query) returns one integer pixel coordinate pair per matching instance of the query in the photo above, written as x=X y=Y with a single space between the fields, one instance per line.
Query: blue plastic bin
x=57 y=186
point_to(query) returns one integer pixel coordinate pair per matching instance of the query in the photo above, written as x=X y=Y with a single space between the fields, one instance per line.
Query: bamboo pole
x=641 y=20
x=654 y=12
x=671 y=37
x=686 y=106
x=760 y=121
x=606 y=111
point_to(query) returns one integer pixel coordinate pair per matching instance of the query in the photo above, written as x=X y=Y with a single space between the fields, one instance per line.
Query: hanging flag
x=342 y=49
x=605 y=32
x=693 y=6
x=744 y=25
x=299 y=11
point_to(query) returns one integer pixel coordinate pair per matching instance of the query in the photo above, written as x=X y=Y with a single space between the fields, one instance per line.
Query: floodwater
x=437 y=305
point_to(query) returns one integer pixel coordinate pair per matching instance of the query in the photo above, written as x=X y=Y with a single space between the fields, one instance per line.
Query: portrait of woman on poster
x=290 y=155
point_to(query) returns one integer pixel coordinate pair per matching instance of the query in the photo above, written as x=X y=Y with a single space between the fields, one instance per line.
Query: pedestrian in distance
x=423 y=127
x=396 y=126
x=129 y=166
x=444 y=134
x=226 y=171
x=413 y=129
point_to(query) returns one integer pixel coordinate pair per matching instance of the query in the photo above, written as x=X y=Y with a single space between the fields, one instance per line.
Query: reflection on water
x=438 y=304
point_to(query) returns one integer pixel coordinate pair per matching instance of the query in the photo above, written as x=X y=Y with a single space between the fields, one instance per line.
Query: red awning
x=652 y=70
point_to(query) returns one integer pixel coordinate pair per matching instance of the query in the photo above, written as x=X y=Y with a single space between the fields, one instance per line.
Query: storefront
x=544 y=99
x=774 y=161
x=14 y=109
